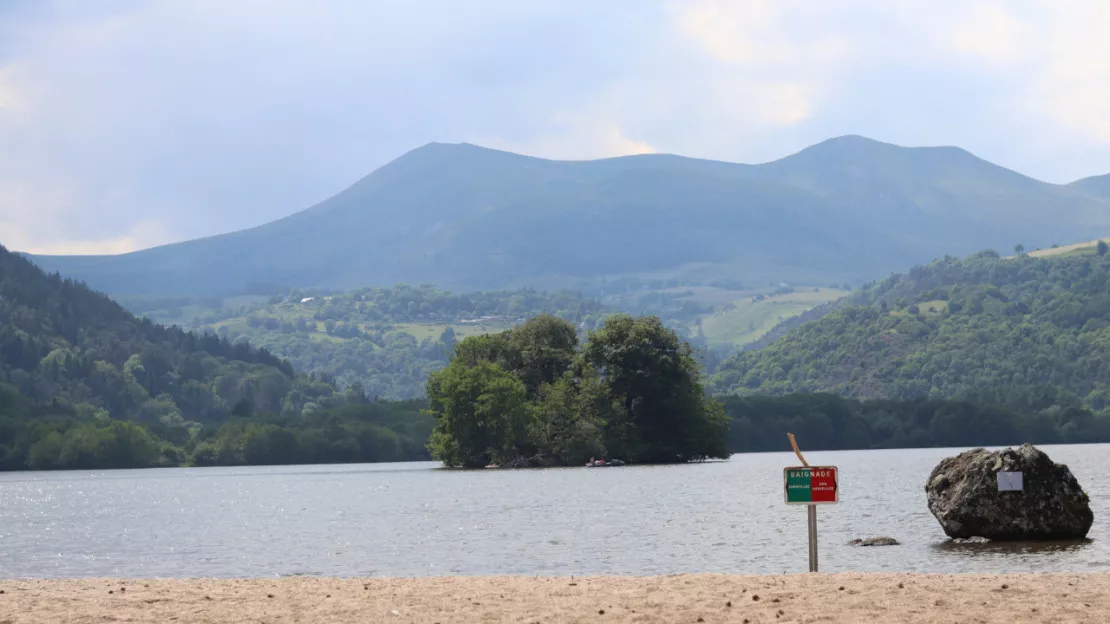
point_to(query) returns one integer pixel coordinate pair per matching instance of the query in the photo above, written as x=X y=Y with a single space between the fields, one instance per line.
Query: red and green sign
x=810 y=485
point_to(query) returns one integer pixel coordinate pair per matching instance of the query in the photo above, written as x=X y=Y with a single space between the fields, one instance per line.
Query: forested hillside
x=84 y=383
x=386 y=340
x=1029 y=333
x=389 y=339
x=468 y=218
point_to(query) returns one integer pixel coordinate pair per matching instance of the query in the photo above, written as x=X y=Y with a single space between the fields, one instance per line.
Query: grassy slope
x=748 y=319
x=739 y=320
x=293 y=312
x=1086 y=248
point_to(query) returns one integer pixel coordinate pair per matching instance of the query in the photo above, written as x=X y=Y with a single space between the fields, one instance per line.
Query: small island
x=533 y=396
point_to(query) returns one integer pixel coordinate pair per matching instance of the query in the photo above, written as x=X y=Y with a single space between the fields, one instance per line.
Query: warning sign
x=810 y=485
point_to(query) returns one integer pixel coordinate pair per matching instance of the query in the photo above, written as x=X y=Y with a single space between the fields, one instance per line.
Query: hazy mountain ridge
x=468 y=218
x=1098 y=186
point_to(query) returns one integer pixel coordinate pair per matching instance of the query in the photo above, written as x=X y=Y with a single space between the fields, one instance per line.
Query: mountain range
x=464 y=217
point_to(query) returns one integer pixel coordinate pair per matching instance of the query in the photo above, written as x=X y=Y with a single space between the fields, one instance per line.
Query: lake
x=413 y=519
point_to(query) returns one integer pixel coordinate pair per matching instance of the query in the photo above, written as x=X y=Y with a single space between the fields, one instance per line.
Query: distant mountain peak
x=851 y=140
x=437 y=149
x=857 y=151
x=854 y=143
x=1097 y=186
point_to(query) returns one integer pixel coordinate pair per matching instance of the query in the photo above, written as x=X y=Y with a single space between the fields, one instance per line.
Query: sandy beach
x=842 y=597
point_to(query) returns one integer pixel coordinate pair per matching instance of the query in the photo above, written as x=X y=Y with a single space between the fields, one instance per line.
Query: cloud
x=1072 y=80
x=208 y=116
x=140 y=236
x=781 y=69
x=9 y=99
x=757 y=34
x=38 y=218
x=989 y=31
x=579 y=139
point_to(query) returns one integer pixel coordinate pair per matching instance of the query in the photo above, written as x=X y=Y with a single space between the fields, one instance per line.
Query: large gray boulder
x=965 y=497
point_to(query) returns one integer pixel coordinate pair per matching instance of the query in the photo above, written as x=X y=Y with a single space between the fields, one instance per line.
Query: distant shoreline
x=839 y=597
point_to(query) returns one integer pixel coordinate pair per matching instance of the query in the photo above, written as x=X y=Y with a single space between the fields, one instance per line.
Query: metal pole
x=812 y=537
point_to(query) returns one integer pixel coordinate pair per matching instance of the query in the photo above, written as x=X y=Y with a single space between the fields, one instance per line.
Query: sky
x=129 y=124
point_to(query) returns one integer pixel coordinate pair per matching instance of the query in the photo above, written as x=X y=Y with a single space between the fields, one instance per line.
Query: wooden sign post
x=810 y=486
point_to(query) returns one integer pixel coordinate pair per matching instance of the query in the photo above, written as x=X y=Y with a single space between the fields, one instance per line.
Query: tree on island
x=531 y=396
x=1101 y=248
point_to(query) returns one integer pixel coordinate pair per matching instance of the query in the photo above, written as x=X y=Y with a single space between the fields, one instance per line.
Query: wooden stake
x=797 y=452
x=812 y=510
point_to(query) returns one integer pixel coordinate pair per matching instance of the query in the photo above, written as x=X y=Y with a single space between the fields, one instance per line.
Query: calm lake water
x=415 y=520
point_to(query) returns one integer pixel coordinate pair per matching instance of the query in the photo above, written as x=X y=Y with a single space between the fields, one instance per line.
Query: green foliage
x=381 y=431
x=483 y=414
x=1101 y=248
x=829 y=422
x=1027 y=333
x=529 y=396
x=387 y=340
x=73 y=349
x=664 y=414
x=85 y=384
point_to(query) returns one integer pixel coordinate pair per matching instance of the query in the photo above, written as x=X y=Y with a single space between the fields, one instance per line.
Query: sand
x=886 y=598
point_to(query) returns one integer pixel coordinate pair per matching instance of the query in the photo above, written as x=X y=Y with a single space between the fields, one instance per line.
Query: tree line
x=354 y=432
x=831 y=422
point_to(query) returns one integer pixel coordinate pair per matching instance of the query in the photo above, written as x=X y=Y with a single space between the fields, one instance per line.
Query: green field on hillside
x=432 y=331
x=746 y=320
x=388 y=340
x=1087 y=248
x=937 y=307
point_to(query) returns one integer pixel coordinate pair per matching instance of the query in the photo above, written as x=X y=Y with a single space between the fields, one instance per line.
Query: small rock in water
x=874 y=541
x=965 y=497
x=975 y=539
